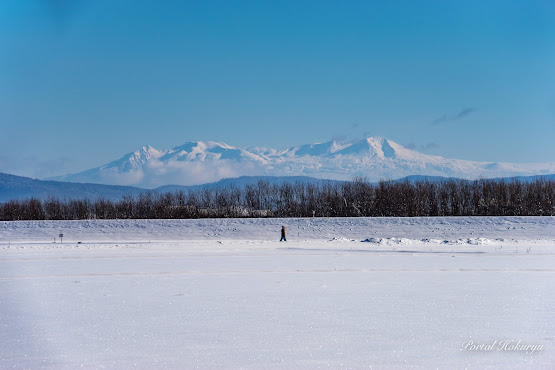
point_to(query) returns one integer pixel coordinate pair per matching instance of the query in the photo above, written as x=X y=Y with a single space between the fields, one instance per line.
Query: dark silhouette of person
x=283 y=234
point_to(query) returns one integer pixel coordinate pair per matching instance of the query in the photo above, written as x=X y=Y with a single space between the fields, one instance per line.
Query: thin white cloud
x=156 y=173
x=446 y=118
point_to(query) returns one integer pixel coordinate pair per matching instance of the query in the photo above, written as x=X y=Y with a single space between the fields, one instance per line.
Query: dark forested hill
x=17 y=187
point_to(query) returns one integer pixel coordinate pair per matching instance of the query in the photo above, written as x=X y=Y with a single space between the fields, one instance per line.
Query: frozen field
x=340 y=293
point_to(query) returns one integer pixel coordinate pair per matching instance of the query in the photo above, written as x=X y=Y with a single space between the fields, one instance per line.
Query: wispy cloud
x=447 y=118
x=156 y=173
x=351 y=134
x=422 y=147
x=366 y=134
x=430 y=145
x=339 y=138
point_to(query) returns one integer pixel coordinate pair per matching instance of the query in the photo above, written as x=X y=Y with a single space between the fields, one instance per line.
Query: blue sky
x=84 y=82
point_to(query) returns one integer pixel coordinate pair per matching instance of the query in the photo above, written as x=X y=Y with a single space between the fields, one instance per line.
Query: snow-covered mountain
x=375 y=158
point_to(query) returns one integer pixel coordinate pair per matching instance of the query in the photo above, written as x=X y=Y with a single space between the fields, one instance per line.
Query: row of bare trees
x=333 y=199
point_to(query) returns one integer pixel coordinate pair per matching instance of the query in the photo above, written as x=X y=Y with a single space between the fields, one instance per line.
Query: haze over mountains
x=18 y=187
x=375 y=158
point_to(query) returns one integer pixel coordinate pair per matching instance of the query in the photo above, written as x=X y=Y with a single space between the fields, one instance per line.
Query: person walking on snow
x=283 y=234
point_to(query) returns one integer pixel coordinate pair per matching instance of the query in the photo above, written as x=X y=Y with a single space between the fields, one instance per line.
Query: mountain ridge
x=376 y=158
x=19 y=187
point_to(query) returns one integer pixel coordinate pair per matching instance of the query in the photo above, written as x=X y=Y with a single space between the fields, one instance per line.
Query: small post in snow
x=299 y=229
x=61 y=236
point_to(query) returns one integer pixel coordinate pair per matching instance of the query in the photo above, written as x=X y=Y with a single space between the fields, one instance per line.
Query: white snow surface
x=375 y=158
x=224 y=293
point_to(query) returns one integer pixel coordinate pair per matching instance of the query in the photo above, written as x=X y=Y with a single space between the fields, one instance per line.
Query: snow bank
x=488 y=234
x=474 y=230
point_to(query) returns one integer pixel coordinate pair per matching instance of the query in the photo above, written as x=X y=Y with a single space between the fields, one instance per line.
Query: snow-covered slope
x=375 y=158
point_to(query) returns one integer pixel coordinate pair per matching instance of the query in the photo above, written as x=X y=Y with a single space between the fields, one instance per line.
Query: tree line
x=357 y=198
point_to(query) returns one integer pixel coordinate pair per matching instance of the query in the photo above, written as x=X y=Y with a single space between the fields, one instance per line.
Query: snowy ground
x=348 y=293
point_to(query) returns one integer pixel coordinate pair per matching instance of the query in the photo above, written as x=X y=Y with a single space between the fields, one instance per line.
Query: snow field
x=341 y=293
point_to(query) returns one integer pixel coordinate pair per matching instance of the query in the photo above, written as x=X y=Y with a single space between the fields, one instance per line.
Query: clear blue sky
x=84 y=82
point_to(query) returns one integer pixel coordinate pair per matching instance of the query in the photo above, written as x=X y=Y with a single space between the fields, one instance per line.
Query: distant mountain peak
x=376 y=158
x=148 y=152
x=316 y=150
x=372 y=147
